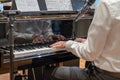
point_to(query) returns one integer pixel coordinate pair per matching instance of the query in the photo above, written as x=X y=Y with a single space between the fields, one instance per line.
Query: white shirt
x=103 y=43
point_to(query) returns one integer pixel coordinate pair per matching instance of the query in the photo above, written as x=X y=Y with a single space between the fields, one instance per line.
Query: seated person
x=35 y=31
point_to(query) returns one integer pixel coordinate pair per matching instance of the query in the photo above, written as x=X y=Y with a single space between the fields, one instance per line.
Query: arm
x=22 y=35
x=48 y=33
x=20 y=31
x=97 y=36
x=29 y=32
x=47 y=28
x=20 y=38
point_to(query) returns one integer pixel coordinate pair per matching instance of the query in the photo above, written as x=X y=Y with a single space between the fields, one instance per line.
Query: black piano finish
x=49 y=58
x=34 y=61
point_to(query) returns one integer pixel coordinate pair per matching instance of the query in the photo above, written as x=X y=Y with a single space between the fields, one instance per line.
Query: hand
x=37 y=38
x=19 y=40
x=60 y=44
x=81 y=40
x=56 y=37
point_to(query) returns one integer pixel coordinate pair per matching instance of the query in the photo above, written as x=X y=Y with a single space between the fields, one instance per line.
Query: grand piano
x=32 y=55
x=29 y=55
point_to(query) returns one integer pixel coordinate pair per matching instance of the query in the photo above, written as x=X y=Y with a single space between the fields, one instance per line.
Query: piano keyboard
x=26 y=50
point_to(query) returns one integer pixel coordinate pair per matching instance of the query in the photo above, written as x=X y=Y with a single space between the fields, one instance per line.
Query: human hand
x=60 y=44
x=19 y=40
x=81 y=40
x=37 y=38
x=56 y=37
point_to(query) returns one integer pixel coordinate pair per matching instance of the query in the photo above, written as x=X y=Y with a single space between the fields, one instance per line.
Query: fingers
x=39 y=40
x=50 y=38
x=60 y=44
x=60 y=37
x=56 y=37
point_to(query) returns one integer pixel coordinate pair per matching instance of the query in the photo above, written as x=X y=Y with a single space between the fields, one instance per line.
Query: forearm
x=23 y=35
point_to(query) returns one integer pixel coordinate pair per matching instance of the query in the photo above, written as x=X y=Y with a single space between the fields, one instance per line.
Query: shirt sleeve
x=97 y=35
x=22 y=35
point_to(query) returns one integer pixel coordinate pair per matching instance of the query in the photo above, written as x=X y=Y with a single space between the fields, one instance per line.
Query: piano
x=35 y=54
x=32 y=55
x=31 y=49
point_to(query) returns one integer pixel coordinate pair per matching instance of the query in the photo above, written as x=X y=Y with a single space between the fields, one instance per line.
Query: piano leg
x=36 y=73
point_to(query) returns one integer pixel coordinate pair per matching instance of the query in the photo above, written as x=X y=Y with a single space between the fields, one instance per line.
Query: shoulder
x=110 y=2
x=112 y=6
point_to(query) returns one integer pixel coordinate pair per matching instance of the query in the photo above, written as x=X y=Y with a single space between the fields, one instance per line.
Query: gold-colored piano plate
x=52 y=17
x=64 y=16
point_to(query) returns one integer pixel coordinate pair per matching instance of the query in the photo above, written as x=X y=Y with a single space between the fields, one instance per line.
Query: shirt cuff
x=28 y=36
x=68 y=45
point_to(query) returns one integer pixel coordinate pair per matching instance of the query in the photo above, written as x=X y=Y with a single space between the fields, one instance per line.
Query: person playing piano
x=36 y=31
x=101 y=47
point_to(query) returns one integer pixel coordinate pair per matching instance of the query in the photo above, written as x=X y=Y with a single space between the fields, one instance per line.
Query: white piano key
x=36 y=51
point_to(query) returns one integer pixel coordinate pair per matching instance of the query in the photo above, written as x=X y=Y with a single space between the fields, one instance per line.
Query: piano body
x=33 y=55
x=30 y=54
